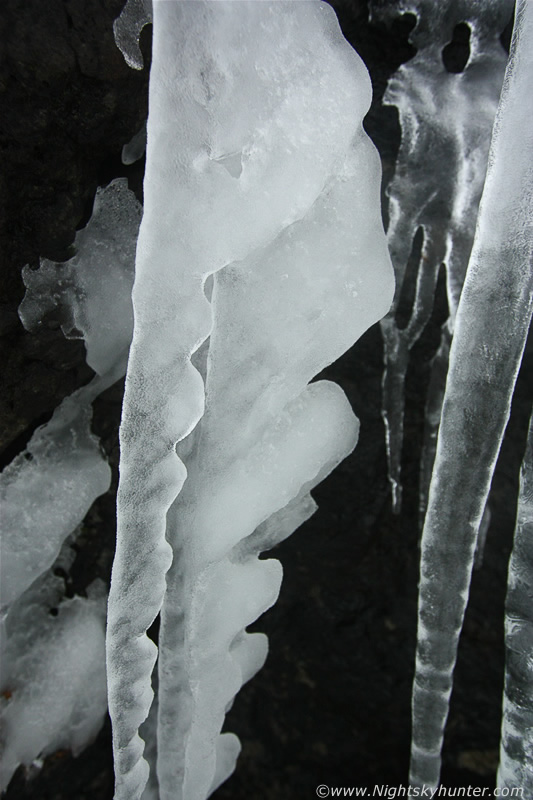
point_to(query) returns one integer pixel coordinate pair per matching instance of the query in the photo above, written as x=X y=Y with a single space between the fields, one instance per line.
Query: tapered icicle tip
x=259 y=177
x=485 y=357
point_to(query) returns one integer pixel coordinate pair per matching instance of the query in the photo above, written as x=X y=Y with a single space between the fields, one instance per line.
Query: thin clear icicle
x=516 y=749
x=446 y=120
x=491 y=327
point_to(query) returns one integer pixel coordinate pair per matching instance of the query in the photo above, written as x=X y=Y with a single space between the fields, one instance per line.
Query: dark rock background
x=332 y=704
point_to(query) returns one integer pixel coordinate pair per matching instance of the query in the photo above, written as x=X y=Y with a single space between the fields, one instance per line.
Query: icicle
x=261 y=231
x=490 y=332
x=446 y=120
x=516 y=751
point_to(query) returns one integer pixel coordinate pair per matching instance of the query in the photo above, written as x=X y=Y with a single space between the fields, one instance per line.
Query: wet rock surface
x=332 y=704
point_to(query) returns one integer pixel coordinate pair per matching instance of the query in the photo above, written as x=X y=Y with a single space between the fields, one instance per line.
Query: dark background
x=332 y=704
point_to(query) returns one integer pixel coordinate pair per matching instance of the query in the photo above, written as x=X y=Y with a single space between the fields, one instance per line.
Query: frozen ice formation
x=261 y=258
x=48 y=489
x=45 y=493
x=53 y=668
x=91 y=292
x=516 y=751
x=53 y=686
x=446 y=121
x=491 y=326
x=135 y=148
x=127 y=29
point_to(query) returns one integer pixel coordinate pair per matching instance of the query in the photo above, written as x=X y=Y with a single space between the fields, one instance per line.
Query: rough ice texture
x=53 y=686
x=127 y=29
x=53 y=668
x=490 y=331
x=259 y=175
x=91 y=293
x=45 y=493
x=48 y=489
x=446 y=121
x=516 y=751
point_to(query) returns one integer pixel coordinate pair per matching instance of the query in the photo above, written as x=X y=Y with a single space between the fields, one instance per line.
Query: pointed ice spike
x=446 y=119
x=262 y=233
x=516 y=749
x=490 y=332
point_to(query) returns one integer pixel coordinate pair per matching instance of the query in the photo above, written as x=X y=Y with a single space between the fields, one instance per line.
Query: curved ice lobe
x=491 y=327
x=254 y=143
x=127 y=29
x=446 y=121
x=135 y=148
x=320 y=283
x=53 y=686
x=91 y=293
x=516 y=748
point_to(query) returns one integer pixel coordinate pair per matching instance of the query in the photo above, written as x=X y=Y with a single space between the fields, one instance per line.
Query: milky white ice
x=261 y=259
x=53 y=672
x=490 y=331
x=47 y=490
x=516 y=751
x=53 y=676
x=446 y=121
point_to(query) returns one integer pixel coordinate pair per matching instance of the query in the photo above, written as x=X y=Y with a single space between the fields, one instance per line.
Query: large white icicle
x=446 y=121
x=490 y=332
x=280 y=316
x=516 y=750
x=258 y=174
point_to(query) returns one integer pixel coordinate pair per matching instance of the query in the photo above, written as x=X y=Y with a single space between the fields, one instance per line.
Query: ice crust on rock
x=491 y=328
x=45 y=493
x=53 y=685
x=53 y=668
x=446 y=121
x=91 y=293
x=48 y=489
x=259 y=175
x=128 y=28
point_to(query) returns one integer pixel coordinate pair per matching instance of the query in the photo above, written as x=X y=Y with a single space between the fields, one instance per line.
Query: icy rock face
x=91 y=292
x=52 y=687
x=53 y=668
x=261 y=259
x=127 y=29
x=516 y=752
x=491 y=327
x=446 y=120
x=48 y=489
x=45 y=493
